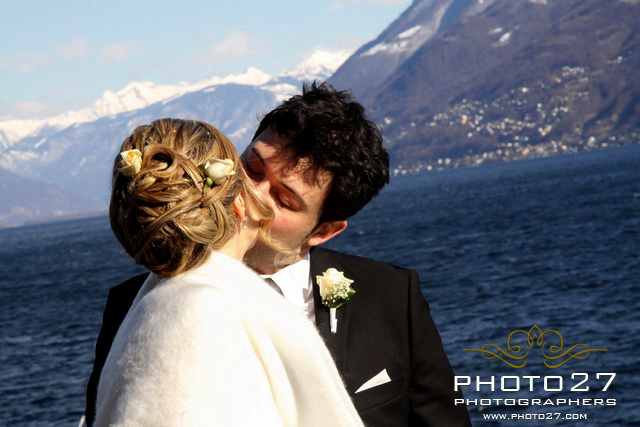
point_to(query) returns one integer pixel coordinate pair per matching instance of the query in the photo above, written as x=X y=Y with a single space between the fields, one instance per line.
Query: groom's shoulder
x=131 y=285
x=124 y=293
x=360 y=262
x=377 y=284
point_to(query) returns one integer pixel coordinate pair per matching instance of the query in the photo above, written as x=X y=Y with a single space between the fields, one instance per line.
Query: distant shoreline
x=396 y=172
x=61 y=218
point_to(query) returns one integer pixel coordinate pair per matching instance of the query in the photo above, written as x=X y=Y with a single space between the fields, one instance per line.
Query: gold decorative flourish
x=556 y=355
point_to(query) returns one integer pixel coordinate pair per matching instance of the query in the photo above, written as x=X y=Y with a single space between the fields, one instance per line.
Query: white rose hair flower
x=217 y=171
x=130 y=162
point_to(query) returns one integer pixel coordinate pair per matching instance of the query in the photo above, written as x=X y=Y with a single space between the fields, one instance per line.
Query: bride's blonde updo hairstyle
x=162 y=216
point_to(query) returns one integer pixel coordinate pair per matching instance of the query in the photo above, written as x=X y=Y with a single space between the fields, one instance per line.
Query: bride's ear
x=239 y=208
x=326 y=231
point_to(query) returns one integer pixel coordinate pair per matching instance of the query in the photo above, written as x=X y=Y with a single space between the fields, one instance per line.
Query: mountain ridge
x=452 y=82
x=521 y=77
x=73 y=155
x=140 y=94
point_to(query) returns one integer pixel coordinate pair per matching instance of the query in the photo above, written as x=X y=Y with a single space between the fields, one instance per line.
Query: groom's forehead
x=276 y=155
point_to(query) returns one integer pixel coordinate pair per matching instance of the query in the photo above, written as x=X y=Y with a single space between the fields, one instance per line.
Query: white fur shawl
x=216 y=346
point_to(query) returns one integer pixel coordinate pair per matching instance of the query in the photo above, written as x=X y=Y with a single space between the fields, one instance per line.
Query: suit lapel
x=336 y=343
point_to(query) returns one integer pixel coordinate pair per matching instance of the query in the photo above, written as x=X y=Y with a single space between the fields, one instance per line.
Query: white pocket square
x=379 y=379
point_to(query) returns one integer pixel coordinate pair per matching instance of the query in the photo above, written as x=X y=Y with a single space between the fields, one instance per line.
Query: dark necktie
x=274 y=285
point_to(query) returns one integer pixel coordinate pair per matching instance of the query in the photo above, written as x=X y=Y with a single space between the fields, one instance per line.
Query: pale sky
x=58 y=55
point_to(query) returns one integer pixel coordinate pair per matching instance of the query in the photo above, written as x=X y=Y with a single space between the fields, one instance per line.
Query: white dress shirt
x=295 y=282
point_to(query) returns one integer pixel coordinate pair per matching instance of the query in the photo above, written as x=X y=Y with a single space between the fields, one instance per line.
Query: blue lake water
x=551 y=242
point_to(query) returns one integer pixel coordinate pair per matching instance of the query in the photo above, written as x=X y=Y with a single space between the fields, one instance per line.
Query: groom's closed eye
x=285 y=197
x=282 y=195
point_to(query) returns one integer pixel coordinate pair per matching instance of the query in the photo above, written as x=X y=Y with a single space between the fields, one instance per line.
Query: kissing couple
x=243 y=320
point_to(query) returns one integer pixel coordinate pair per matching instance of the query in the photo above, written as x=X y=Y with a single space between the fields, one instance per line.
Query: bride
x=206 y=341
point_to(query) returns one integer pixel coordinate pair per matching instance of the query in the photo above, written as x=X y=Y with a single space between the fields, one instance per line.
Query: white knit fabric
x=216 y=346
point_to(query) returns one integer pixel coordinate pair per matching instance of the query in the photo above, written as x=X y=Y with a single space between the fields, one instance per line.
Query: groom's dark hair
x=328 y=129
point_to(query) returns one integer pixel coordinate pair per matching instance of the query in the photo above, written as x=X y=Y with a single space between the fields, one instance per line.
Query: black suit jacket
x=386 y=325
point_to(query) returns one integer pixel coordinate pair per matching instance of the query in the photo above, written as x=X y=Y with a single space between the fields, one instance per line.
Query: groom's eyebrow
x=293 y=192
x=257 y=154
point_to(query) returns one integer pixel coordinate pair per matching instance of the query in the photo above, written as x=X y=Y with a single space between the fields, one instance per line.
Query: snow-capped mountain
x=138 y=95
x=133 y=96
x=320 y=64
x=73 y=150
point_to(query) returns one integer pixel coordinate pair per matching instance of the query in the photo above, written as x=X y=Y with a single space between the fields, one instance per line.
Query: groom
x=317 y=160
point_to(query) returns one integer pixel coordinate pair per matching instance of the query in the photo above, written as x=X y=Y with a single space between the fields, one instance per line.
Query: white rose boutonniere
x=130 y=162
x=217 y=171
x=336 y=291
